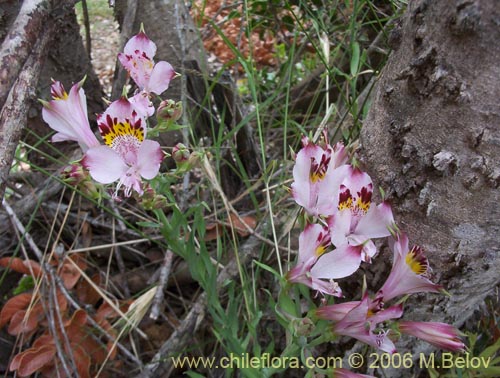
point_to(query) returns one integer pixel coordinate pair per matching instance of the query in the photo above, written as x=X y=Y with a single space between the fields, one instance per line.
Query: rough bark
x=18 y=43
x=432 y=140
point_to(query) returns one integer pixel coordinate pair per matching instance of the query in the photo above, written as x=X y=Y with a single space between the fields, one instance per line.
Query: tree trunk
x=432 y=141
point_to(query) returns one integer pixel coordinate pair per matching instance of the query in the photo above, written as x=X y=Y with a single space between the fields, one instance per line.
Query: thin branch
x=86 y=23
x=164 y=273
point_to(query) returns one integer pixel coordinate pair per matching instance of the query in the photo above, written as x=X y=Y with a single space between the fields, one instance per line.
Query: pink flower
x=357 y=220
x=360 y=321
x=318 y=173
x=314 y=265
x=409 y=272
x=127 y=155
x=137 y=59
x=67 y=114
x=441 y=335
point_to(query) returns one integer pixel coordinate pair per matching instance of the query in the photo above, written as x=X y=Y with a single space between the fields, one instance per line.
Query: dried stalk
x=164 y=273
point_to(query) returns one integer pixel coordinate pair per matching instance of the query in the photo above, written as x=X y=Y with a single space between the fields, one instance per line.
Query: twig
x=86 y=22
x=159 y=295
x=118 y=254
x=53 y=313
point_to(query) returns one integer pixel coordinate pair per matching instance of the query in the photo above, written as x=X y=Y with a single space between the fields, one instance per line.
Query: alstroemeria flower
x=127 y=155
x=67 y=114
x=317 y=174
x=442 y=335
x=137 y=59
x=409 y=272
x=360 y=321
x=357 y=221
x=314 y=264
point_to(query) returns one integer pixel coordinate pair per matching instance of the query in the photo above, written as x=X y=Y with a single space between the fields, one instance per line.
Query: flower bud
x=74 y=174
x=169 y=110
x=180 y=153
x=150 y=200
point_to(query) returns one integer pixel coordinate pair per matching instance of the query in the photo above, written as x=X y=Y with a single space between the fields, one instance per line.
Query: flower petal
x=104 y=164
x=68 y=116
x=340 y=263
x=160 y=78
x=149 y=158
x=142 y=105
x=139 y=44
x=340 y=225
x=376 y=222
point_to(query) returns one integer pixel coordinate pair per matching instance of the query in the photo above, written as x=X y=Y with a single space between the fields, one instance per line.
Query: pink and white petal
x=376 y=222
x=127 y=61
x=331 y=183
x=326 y=287
x=120 y=109
x=369 y=250
x=149 y=158
x=339 y=263
x=340 y=225
x=357 y=179
x=336 y=312
x=160 y=78
x=61 y=137
x=409 y=284
x=309 y=242
x=383 y=343
x=142 y=44
x=142 y=105
x=61 y=118
x=104 y=164
x=339 y=156
x=393 y=312
x=399 y=246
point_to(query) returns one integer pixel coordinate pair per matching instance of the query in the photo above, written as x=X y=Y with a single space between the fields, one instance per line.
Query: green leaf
x=25 y=283
x=268 y=268
x=355 y=59
x=491 y=350
x=148 y=224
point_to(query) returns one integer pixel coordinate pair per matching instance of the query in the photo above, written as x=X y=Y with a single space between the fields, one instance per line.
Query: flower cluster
x=126 y=155
x=342 y=222
x=339 y=196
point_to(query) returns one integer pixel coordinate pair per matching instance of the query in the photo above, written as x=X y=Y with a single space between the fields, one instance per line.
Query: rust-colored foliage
x=213 y=230
x=25 y=315
x=262 y=42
